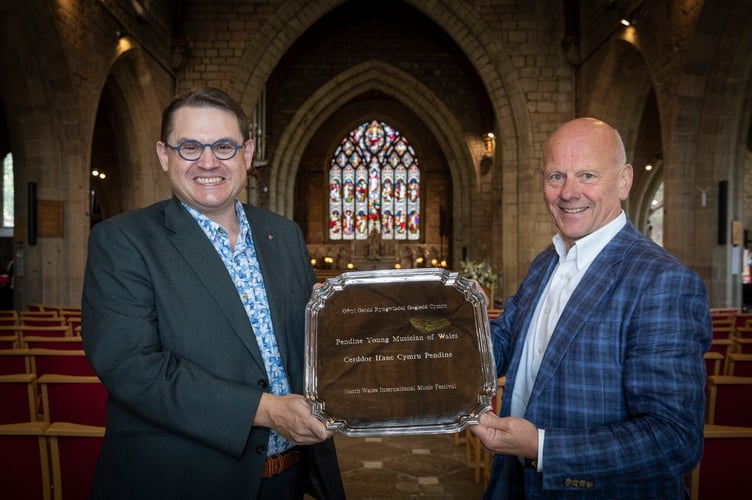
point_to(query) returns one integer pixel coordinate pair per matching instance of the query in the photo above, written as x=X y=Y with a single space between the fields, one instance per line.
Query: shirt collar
x=210 y=226
x=587 y=248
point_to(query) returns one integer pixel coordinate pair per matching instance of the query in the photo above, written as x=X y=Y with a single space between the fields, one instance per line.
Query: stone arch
x=486 y=53
x=39 y=98
x=712 y=136
x=371 y=75
x=136 y=118
x=623 y=106
x=461 y=22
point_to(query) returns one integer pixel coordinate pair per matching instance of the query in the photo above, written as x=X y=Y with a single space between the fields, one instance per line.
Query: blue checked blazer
x=620 y=391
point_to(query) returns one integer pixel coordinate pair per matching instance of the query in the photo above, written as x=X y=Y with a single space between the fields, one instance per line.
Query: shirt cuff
x=541 y=437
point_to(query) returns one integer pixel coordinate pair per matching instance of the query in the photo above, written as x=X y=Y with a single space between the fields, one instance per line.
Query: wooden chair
x=713 y=362
x=74 y=450
x=728 y=400
x=723 y=311
x=38 y=314
x=743 y=332
x=24 y=462
x=74 y=322
x=724 y=347
x=49 y=331
x=76 y=399
x=724 y=332
x=50 y=321
x=8 y=317
x=45 y=331
x=743 y=345
x=10 y=329
x=9 y=342
x=742 y=318
x=67 y=311
x=8 y=321
x=724 y=469
x=60 y=362
x=43 y=342
x=18 y=396
x=722 y=318
x=739 y=365
x=13 y=361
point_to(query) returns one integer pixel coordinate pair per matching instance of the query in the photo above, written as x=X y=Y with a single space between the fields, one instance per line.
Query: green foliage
x=481 y=271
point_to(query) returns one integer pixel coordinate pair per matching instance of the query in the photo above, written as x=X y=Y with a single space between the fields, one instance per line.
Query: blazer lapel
x=191 y=242
x=581 y=304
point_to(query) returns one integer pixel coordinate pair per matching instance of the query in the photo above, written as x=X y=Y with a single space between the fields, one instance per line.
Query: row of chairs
x=729 y=363
x=723 y=470
x=732 y=339
x=52 y=415
x=48 y=461
x=49 y=317
x=41 y=361
x=13 y=336
x=79 y=399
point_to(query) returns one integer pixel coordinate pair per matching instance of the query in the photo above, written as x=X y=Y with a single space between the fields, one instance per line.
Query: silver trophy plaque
x=398 y=352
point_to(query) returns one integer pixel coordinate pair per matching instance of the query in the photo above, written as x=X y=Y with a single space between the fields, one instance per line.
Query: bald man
x=602 y=345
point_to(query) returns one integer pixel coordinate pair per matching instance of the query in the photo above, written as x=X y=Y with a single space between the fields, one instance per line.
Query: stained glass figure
x=374 y=185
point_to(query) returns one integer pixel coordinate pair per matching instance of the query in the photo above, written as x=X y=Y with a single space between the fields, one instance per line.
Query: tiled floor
x=406 y=467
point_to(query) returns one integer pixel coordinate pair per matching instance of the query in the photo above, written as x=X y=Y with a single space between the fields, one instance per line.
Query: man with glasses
x=194 y=318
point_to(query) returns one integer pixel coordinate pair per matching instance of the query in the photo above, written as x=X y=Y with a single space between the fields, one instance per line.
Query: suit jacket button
x=263 y=384
x=567 y=482
x=261 y=449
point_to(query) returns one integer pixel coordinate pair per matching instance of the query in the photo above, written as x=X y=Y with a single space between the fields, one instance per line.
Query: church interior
x=396 y=134
x=473 y=87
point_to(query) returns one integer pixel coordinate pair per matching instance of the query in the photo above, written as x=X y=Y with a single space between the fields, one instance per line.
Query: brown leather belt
x=277 y=464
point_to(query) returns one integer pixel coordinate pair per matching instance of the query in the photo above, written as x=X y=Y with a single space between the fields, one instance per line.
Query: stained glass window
x=374 y=185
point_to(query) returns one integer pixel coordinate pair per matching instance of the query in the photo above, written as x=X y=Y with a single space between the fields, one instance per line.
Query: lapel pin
x=269 y=237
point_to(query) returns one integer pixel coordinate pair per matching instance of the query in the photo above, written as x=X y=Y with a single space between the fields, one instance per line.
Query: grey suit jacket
x=166 y=332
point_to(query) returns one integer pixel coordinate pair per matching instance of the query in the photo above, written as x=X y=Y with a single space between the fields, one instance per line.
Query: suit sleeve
x=151 y=387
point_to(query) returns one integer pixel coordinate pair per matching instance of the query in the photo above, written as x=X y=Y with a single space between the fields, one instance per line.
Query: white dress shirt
x=569 y=271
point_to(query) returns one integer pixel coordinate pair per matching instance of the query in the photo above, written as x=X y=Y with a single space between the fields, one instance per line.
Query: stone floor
x=406 y=467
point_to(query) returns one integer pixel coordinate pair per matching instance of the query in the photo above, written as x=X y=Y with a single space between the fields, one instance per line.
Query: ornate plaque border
x=419 y=423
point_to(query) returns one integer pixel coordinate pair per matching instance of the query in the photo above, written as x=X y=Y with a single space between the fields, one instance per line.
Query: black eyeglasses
x=191 y=150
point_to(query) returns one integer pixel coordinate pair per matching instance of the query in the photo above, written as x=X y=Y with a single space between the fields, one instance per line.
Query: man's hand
x=508 y=435
x=481 y=290
x=291 y=417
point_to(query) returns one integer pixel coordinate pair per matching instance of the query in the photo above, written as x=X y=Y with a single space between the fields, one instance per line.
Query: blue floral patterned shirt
x=245 y=272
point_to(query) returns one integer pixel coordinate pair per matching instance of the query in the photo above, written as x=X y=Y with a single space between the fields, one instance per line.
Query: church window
x=374 y=185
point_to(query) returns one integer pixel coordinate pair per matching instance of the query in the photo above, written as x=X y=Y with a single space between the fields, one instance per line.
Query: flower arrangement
x=481 y=271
